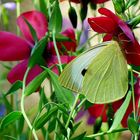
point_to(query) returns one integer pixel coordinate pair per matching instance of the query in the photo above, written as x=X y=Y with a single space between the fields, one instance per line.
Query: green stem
x=133 y=100
x=133 y=96
x=22 y=105
x=81 y=103
x=72 y=111
x=18 y=13
x=136 y=72
x=49 y=9
x=60 y=66
x=135 y=21
x=57 y=52
x=104 y=133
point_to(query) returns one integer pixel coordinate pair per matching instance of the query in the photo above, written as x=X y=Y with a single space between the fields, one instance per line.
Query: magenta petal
x=38 y=22
x=12 y=47
x=54 y=60
x=17 y=73
x=127 y=31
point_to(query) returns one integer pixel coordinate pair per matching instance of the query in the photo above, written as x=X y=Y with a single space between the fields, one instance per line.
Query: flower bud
x=73 y=16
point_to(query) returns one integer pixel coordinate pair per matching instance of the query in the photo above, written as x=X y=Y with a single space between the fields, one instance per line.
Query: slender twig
x=107 y=132
x=22 y=105
x=18 y=13
x=57 y=52
x=133 y=96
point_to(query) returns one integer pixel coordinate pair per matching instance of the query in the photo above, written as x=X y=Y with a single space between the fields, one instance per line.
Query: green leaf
x=97 y=125
x=21 y=125
x=43 y=98
x=51 y=125
x=60 y=38
x=75 y=127
x=119 y=6
x=17 y=85
x=62 y=128
x=55 y=23
x=37 y=52
x=79 y=137
x=7 y=103
x=43 y=8
x=121 y=112
x=41 y=121
x=32 y=30
x=133 y=125
x=63 y=95
x=10 y=118
x=35 y=84
x=130 y=3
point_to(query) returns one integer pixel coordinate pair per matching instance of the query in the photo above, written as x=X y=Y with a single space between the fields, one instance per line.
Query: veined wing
x=72 y=75
x=106 y=79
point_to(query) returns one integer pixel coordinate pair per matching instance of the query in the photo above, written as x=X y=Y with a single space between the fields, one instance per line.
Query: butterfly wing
x=72 y=77
x=106 y=79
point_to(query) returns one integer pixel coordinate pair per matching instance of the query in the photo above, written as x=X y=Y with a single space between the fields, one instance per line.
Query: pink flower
x=14 y=48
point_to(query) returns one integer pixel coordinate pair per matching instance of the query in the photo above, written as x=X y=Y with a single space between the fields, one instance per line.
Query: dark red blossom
x=100 y=110
x=118 y=30
x=14 y=48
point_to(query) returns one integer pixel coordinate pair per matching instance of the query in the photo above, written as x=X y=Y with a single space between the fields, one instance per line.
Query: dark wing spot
x=84 y=72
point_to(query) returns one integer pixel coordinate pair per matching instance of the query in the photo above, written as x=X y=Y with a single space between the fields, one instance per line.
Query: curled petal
x=132 y=52
x=12 y=47
x=102 y=24
x=17 y=73
x=124 y=27
x=107 y=37
x=38 y=22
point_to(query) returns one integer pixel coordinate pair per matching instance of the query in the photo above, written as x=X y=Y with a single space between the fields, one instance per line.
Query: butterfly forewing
x=72 y=75
x=106 y=78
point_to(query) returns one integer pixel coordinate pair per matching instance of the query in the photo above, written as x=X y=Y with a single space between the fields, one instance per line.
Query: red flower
x=14 y=48
x=100 y=110
x=118 y=30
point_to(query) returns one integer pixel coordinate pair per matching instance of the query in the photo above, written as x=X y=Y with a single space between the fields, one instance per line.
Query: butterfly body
x=100 y=74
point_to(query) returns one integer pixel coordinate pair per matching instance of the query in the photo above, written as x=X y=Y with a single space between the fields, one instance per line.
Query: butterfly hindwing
x=106 y=79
